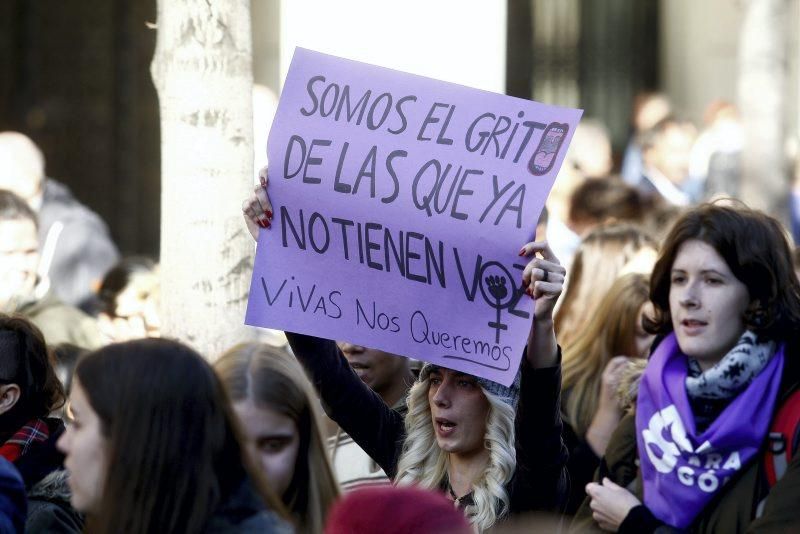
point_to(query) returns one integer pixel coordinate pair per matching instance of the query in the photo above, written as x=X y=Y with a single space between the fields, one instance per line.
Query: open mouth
x=444 y=426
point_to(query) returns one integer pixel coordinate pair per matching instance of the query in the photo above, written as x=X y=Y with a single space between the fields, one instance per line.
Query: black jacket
x=42 y=472
x=244 y=513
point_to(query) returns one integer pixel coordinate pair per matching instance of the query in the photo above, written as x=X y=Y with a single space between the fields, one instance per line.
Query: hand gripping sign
x=400 y=202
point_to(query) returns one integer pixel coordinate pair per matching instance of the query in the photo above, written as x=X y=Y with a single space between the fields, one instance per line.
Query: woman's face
x=273 y=440
x=458 y=411
x=643 y=339
x=707 y=303
x=85 y=449
x=136 y=314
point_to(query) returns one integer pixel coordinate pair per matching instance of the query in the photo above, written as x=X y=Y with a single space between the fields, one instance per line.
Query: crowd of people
x=659 y=389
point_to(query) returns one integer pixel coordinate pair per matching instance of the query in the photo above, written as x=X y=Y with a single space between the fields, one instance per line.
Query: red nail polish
x=268 y=213
x=267 y=224
x=522 y=251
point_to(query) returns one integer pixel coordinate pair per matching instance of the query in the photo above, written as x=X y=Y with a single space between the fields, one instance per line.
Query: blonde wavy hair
x=423 y=463
x=610 y=332
x=272 y=378
x=602 y=256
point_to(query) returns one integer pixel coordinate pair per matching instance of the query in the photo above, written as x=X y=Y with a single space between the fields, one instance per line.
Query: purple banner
x=401 y=203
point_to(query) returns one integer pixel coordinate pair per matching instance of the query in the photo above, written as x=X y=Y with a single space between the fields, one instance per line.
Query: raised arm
x=541 y=479
x=544 y=277
x=360 y=412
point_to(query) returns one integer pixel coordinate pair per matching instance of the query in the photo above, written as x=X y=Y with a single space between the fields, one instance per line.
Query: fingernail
x=269 y=213
x=267 y=224
x=263 y=181
x=260 y=223
x=522 y=251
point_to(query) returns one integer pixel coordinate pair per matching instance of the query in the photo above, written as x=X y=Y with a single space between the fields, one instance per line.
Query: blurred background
x=76 y=74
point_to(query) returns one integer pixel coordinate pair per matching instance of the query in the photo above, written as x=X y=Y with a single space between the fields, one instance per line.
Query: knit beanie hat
x=507 y=394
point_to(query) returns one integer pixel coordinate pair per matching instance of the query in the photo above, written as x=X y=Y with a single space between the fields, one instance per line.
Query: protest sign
x=401 y=203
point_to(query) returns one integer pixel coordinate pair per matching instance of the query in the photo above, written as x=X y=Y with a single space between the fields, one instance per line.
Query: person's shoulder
x=12 y=498
x=10 y=479
x=58 y=203
x=52 y=309
x=62 y=323
x=49 y=507
x=621 y=447
x=262 y=522
x=244 y=512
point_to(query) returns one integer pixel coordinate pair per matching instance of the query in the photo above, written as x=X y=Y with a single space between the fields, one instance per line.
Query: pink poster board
x=401 y=203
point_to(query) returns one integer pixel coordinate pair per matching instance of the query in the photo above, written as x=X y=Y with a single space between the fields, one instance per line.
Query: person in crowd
x=796 y=261
x=666 y=150
x=65 y=358
x=588 y=158
x=22 y=290
x=605 y=201
x=592 y=368
x=396 y=510
x=29 y=393
x=129 y=298
x=604 y=254
x=74 y=242
x=388 y=375
x=716 y=157
x=727 y=305
x=659 y=219
x=648 y=110
x=154 y=446
x=13 y=503
x=463 y=435
x=279 y=412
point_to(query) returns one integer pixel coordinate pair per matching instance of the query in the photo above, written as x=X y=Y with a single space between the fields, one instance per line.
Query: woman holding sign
x=494 y=450
x=727 y=303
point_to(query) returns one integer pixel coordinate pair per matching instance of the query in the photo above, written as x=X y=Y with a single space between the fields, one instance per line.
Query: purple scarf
x=681 y=469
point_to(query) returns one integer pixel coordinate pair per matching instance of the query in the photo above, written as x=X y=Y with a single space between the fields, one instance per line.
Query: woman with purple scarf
x=727 y=308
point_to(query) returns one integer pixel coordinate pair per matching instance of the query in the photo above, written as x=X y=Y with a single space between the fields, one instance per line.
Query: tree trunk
x=763 y=65
x=202 y=70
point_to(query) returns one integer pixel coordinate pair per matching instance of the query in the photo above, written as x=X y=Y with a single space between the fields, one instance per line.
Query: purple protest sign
x=401 y=203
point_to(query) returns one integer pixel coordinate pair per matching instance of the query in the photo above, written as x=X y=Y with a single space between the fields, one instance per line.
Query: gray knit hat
x=509 y=395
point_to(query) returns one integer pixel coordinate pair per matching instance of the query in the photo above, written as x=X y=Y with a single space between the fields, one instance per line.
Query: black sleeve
x=360 y=412
x=540 y=479
x=582 y=464
x=640 y=519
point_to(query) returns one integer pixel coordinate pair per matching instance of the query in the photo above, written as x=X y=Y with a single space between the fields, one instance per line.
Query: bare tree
x=763 y=72
x=202 y=70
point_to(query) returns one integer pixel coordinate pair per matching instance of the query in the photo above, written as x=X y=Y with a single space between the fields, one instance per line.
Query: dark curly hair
x=755 y=249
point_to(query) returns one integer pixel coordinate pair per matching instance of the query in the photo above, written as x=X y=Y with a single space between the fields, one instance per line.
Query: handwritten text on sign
x=401 y=203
